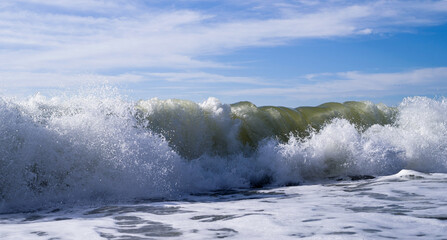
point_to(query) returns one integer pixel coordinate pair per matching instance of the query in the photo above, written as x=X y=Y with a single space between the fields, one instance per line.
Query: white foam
x=83 y=147
x=368 y=209
x=417 y=141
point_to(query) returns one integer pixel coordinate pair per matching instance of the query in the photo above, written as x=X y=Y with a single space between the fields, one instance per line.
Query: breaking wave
x=101 y=147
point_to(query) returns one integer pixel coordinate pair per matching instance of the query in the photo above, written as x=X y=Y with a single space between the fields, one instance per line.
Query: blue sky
x=285 y=52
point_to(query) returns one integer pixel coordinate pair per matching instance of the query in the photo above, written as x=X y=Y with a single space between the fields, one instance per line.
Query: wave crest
x=90 y=147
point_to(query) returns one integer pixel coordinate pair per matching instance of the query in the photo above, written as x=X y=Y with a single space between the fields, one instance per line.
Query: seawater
x=406 y=205
x=96 y=165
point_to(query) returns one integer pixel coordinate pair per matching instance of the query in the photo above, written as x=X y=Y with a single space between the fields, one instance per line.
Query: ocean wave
x=100 y=147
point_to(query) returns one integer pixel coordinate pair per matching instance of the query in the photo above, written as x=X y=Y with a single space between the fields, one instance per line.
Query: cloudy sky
x=283 y=52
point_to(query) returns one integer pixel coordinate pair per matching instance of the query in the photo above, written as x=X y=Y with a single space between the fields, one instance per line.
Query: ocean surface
x=96 y=165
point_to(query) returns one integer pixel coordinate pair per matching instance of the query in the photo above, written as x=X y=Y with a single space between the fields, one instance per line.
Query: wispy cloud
x=58 y=80
x=133 y=35
x=98 y=6
x=203 y=77
x=46 y=43
x=346 y=85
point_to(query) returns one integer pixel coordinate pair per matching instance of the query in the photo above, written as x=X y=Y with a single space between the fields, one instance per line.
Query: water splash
x=101 y=147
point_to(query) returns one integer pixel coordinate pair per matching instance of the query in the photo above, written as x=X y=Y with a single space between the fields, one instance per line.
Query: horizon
x=287 y=53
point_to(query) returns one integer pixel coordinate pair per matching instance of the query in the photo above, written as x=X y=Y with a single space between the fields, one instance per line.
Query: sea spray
x=81 y=148
x=98 y=147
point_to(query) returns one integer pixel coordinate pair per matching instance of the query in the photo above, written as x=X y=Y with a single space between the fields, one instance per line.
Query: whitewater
x=96 y=165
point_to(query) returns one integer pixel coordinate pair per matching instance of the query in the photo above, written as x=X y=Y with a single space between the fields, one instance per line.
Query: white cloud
x=81 y=5
x=47 y=44
x=58 y=80
x=203 y=77
x=357 y=84
x=142 y=37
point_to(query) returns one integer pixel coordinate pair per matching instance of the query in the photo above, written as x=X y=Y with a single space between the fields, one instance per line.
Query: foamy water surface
x=407 y=205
